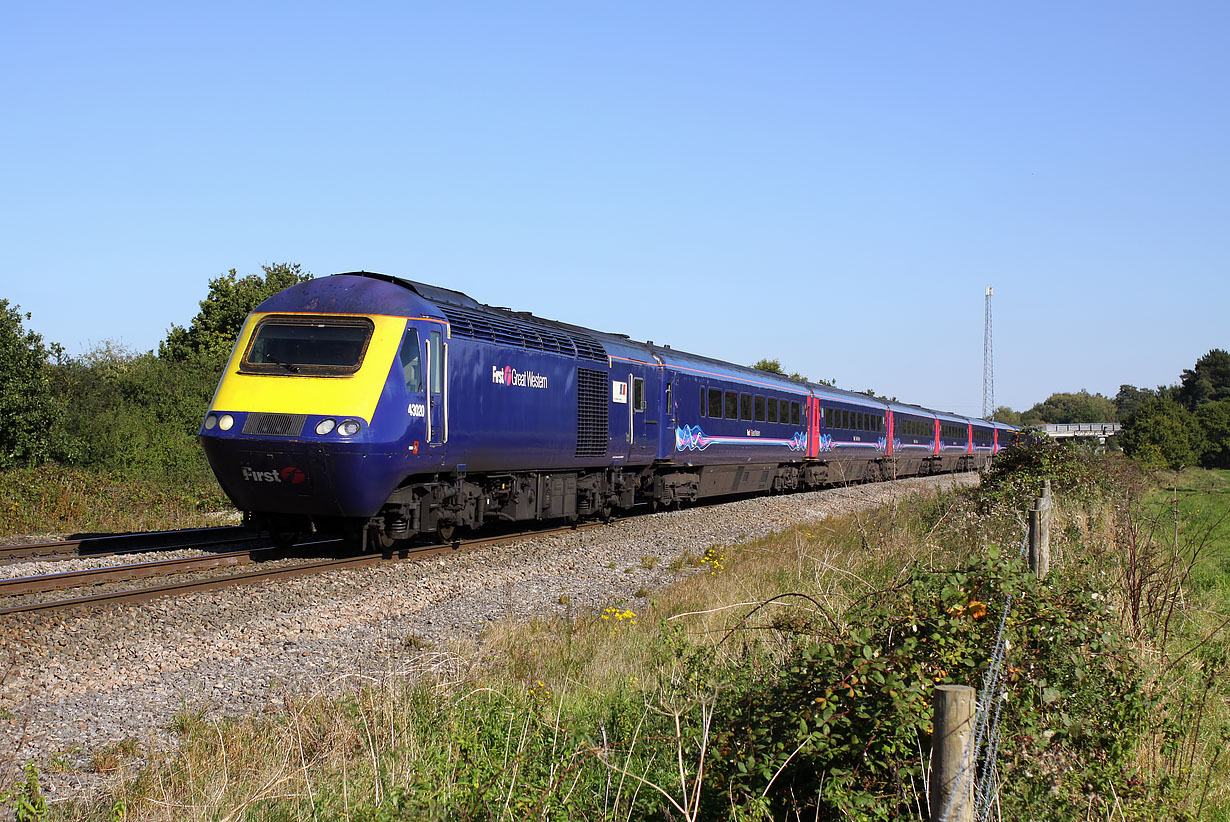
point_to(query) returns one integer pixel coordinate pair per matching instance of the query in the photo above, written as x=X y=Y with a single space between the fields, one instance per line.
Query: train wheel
x=604 y=513
x=445 y=531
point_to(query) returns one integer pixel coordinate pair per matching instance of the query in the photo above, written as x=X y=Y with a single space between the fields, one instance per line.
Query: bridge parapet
x=1101 y=430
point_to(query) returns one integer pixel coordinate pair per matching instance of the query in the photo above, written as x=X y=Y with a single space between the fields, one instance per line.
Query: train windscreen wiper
x=289 y=366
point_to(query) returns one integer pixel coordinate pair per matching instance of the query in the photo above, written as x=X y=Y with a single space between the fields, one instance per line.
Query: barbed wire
x=984 y=742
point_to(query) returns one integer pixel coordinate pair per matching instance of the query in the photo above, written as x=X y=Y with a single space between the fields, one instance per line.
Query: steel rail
x=110 y=544
x=121 y=573
x=228 y=580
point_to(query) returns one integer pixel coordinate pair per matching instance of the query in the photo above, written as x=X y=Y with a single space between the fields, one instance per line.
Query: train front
x=326 y=403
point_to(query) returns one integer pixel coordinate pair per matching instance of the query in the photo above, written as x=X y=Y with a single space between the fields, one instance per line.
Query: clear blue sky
x=831 y=184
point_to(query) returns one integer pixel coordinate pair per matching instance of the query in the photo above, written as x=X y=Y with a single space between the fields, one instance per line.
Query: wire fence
x=982 y=748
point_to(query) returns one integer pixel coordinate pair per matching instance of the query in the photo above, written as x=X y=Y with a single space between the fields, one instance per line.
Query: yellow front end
x=352 y=395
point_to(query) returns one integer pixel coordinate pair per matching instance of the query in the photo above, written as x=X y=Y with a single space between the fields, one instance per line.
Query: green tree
x=25 y=394
x=1006 y=415
x=212 y=332
x=1208 y=381
x=1071 y=407
x=1214 y=420
x=1129 y=399
x=1161 y=432
x=775 y=367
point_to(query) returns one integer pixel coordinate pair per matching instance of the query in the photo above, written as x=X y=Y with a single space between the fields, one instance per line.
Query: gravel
x=76 y=680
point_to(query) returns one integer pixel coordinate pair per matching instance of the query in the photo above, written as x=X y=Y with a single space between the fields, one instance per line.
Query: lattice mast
x=988 y=364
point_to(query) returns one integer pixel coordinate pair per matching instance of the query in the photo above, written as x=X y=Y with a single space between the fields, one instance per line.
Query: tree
x=775 y=367
x=1161 y=432
x=1209 y=381
x=1006 y=415
x=25 y=393
x=1214 y=420
x=213 y=330
x=1079 y=407
x=1129 y=399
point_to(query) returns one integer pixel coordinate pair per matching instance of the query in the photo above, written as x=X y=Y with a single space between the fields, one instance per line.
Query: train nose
x=292 y=478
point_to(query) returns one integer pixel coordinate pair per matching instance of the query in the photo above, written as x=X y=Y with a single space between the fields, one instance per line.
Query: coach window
x=703 y=410
x=795 y=414
x=638 y=394
x=745 y=406
x=411 y=367
x=715 y=403
x=784 y=416
x=772 y=410
x=732 y=405
x=760 y=412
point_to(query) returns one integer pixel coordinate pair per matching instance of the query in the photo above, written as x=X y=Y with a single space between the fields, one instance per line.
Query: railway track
x=112 y=544
x=32 y=585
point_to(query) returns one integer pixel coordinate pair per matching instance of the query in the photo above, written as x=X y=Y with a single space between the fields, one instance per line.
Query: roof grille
x=274 y=425
x=491 y=327
x=593 y=429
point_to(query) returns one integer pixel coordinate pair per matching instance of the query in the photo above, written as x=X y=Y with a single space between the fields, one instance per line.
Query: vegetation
x=1184 y=424
x=114 y=418
x=1071 y=407
x=25 y=396
x=775 y=367
x=790 y=676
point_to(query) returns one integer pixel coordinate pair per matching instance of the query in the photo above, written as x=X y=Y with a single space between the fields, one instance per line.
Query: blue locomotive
x=373 y=406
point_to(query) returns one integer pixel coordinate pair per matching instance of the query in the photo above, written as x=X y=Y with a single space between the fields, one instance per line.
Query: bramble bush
x=847 y=718
x=1016 y=476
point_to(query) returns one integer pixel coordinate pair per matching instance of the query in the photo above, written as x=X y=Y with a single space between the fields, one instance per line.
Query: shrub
x=25 y=395
x=1162 y=433
x=845 y=719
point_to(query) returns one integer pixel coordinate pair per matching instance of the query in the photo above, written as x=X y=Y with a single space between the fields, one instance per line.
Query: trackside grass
x=60 y=499
x=785 y=678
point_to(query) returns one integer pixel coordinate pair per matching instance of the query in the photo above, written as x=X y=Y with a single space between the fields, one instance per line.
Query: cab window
x=307 y=345
x=411 y=366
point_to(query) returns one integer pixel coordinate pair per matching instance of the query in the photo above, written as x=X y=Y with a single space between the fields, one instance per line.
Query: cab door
x=435 y=370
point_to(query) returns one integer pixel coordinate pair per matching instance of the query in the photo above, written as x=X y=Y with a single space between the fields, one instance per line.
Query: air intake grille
x=593 y=430
x=490 y=327
x=274 y=425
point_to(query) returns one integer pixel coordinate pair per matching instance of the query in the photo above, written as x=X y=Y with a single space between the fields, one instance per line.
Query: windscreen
x=308 y=345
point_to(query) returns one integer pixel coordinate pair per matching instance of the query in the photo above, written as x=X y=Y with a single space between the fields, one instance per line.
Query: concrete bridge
x=1101 y=430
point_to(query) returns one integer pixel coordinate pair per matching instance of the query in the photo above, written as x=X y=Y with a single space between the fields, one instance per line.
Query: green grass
x=55 y=499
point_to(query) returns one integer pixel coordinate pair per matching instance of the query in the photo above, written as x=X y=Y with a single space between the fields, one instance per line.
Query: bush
x=1016 y=476
x=25 y=396
x=133 y=413
x=1214 y=420
x=846 y=718
x=1162 y=433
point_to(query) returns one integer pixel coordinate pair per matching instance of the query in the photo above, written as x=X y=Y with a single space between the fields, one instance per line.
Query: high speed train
x=377 y=407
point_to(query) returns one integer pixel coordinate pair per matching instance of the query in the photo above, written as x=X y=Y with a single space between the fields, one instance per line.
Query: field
x=789 y=677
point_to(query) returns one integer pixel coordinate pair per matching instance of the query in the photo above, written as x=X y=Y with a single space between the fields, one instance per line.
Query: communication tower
x=988 y=365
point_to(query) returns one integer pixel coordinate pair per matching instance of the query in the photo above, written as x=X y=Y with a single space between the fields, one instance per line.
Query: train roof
x=468 y=317
x=685 y=361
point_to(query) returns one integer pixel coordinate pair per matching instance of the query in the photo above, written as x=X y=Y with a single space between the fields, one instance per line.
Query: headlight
x=211 y=422
x=348 y=428
x=225 y=422
x=325 y=426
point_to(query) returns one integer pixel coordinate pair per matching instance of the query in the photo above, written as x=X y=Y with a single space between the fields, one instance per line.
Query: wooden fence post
x=951 y=785
x=1040 y=533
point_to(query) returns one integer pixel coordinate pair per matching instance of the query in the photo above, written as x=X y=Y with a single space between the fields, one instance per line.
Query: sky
x=833 y=185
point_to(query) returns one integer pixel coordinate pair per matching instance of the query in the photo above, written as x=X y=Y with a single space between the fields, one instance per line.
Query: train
x=384 y=409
